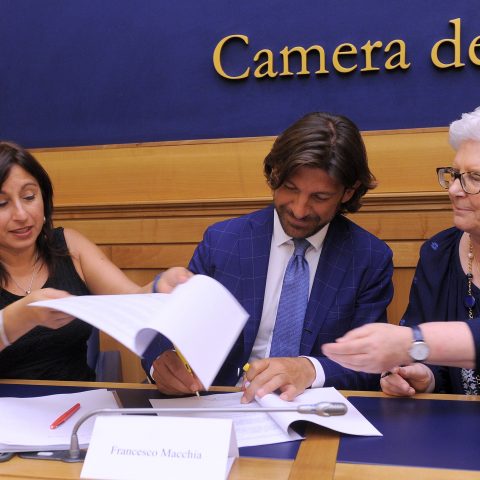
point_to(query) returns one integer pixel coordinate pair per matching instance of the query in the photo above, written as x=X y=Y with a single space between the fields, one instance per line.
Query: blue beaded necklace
x=470 y=377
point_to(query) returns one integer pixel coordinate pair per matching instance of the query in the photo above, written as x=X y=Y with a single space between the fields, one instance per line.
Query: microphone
x=323 y=409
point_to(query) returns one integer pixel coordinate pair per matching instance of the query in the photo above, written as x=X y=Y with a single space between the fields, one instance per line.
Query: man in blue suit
x=317 y=170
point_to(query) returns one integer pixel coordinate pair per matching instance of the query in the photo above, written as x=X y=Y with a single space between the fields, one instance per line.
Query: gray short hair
x=466 y=128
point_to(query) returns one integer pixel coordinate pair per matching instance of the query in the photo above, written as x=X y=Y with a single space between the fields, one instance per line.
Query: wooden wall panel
x=158 y=172
x=153 y=256
x=147 y=206
x=403 y=161
x=142 y=230
x=404 y=225
x=402 y=280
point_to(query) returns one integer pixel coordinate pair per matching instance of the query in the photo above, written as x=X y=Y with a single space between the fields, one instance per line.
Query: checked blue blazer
x=352 y=287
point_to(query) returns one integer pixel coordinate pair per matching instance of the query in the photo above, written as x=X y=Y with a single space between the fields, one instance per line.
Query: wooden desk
x=316 y=457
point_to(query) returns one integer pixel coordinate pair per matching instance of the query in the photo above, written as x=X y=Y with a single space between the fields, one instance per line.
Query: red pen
x=65 y=416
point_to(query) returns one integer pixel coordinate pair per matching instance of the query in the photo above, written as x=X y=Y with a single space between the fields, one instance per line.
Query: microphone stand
x=323 y=409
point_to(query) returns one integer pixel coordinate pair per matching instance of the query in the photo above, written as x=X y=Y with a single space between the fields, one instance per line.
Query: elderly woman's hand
x=372 y=348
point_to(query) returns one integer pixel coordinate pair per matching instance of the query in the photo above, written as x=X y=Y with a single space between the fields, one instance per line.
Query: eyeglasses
x=469 y=181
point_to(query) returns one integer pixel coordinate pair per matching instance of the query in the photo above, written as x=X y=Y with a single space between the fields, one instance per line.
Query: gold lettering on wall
x=368 y=49
x=303 y=57
x=265 y=69
x=400 y=57
x=453 y=42
x=472 y=54
x=217 y=60
x=343 y=50
x=345 y=58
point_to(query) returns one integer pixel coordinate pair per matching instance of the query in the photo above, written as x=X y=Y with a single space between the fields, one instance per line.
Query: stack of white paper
x=25 y=424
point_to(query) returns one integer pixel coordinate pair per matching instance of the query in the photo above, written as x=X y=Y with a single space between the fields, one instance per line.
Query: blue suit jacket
x=352 y=286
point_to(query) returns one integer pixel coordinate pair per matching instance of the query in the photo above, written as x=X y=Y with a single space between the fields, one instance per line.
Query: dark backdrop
x=84 y=72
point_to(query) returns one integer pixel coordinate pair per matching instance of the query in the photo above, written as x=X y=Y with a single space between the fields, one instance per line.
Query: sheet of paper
x=135 y=446
x=201 y=318
x=204 y=322
x=121 y=316
x=258 y=428
x=26 y=422
x=353 y=422
x=251 y=428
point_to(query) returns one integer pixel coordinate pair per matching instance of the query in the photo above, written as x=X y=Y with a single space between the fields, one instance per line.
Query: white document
x=258 y=428
x=251 y=428
x=25 y=424
x=132 y=447
x=200 y=317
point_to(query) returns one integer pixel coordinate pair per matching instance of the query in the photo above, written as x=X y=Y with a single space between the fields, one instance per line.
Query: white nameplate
x=139 y=446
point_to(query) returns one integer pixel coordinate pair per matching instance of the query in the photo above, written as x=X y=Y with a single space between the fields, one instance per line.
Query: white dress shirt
x=281 y=250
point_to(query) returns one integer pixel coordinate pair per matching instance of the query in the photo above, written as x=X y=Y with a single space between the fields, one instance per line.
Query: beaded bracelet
x=155 y=282
x=3 y=335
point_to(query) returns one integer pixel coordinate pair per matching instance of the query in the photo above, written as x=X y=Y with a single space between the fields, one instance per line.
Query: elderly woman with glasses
x=441 y=324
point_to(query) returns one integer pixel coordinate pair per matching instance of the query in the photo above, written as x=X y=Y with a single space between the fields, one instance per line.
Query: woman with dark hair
x=39 y=262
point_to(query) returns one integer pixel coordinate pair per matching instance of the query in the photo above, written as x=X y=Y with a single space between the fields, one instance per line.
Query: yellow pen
x=246 y=368
x=187 y=366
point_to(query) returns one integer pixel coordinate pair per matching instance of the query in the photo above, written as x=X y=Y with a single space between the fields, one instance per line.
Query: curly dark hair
x=322 y=140
x=12 y=154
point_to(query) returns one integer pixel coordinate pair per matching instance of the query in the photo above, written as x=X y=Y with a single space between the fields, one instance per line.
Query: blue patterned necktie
x=293 y=304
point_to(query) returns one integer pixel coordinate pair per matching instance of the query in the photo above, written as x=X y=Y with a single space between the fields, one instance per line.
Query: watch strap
x=417 y=334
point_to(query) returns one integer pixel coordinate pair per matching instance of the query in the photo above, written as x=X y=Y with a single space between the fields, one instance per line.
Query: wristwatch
x=419 y=350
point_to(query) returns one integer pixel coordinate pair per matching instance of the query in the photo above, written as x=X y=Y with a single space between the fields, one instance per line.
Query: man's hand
x=171 y=376
x=407 y=381
x=290 y=375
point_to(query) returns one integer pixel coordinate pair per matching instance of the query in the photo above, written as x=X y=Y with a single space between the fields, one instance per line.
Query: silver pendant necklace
x=32 y=279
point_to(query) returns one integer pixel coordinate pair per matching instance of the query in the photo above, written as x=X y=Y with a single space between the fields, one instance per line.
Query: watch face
x=419 y=351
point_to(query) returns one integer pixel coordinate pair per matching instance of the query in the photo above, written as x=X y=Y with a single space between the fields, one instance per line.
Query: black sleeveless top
x=44 y=353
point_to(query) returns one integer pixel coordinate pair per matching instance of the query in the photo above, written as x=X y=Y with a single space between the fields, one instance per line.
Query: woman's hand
x=171 y=278
x=407 y=381
x=19 y=317
x=372 y=348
